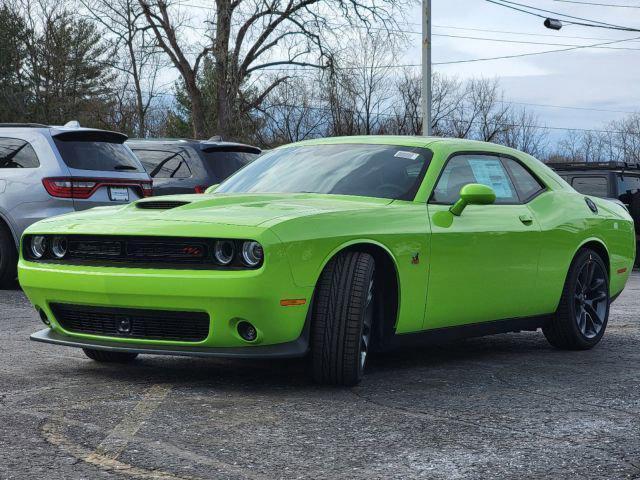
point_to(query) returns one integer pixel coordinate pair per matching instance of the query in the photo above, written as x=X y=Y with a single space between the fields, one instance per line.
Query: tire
x=8 y=259
x=342 y=319
x=104 y=356
x=583 y=312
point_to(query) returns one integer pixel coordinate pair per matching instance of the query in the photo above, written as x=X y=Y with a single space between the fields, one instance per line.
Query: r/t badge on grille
x=124 y=326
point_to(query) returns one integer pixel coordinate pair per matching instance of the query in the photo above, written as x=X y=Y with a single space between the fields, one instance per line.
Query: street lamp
x=553 y=23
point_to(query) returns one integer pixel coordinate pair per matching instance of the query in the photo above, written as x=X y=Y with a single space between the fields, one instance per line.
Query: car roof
x=590 y=167
x=204 y=145
x=406 y=140
x=62 y=130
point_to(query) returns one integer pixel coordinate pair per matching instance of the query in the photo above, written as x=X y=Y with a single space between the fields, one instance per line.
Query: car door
x=483 y=263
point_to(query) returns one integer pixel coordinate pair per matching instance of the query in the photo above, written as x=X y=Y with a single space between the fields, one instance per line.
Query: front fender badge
x=415 y=259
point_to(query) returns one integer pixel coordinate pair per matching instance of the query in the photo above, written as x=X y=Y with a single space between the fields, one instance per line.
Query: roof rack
x=592 y=165
x=23 y=125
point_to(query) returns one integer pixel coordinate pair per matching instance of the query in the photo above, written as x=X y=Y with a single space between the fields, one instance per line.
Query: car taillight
x=147 y=189
x=68 y=188
x=200 y=188
x=83 y=188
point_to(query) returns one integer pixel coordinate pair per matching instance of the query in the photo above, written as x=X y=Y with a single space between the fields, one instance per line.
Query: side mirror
x=212 y=188
x=473 y=194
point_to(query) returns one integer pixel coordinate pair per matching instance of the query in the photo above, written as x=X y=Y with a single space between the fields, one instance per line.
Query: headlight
x=224 y=251
x=59 y=247
x=38 y=246
x=252 y=253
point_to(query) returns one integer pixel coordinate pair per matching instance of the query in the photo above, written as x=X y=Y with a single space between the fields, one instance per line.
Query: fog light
x=38 y=246
x=59 y=247
x=247 y=331
x=44 y=318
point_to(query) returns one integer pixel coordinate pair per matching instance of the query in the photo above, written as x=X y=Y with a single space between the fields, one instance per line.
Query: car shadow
x=296 y=373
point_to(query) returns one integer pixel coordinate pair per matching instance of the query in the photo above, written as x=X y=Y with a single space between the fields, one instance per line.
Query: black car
x=617 y=181
x=188 y=166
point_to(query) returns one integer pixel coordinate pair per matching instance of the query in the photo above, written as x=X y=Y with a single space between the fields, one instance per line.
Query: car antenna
x=72 y=124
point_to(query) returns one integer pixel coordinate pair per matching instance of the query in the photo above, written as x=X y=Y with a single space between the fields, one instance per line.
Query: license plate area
x=119 y=194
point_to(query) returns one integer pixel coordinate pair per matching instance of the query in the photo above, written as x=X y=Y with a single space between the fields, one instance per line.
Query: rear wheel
x=582 y=315
x=342 y=319
x=8 y=259
x=104 y=356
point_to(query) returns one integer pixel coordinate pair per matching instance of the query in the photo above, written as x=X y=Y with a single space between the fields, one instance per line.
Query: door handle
x=526 y=219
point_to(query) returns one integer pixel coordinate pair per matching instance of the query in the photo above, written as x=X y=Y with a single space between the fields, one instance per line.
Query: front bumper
x=228 y=297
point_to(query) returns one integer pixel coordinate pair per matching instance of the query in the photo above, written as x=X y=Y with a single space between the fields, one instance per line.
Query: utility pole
x=426 y=67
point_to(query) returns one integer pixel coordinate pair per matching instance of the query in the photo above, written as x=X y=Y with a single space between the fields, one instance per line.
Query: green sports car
x=331 y=249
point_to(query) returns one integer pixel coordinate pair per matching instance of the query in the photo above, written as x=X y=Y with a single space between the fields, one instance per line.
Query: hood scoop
x=161 y=204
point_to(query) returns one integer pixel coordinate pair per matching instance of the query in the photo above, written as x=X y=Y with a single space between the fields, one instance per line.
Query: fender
x=350 y=243
x=4 y=218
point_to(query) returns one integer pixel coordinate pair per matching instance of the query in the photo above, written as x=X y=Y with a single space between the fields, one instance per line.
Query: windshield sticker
x=405 y=154
x=492 y=174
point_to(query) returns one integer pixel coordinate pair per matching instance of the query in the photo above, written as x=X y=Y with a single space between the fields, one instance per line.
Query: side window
x=16 y=153
x=164 y=163
x=526 y=184
x=597 y=186
x=464 y=169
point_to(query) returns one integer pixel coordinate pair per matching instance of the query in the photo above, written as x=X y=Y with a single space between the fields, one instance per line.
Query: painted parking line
x=118 y=439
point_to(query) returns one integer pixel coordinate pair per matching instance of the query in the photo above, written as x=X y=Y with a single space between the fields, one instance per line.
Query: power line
x=531 y=34
x=569 y=107
x=581 y=22
x=525 y=42
x=598 y=4
x=536 y=53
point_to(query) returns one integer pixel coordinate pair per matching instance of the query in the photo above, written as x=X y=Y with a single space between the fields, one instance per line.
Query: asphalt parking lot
x=507 y=406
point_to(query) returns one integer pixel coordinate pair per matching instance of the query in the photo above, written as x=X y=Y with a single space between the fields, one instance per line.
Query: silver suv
x=47 y=171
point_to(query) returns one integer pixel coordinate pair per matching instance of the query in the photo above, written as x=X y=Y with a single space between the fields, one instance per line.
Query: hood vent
x=161 y=204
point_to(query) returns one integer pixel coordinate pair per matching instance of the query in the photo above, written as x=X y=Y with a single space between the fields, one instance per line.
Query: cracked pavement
x=501 y=407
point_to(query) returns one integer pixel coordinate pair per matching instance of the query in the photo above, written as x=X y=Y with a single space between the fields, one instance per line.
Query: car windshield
x=382 y=171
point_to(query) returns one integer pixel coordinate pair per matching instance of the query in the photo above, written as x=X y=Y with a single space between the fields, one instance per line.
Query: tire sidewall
x=580 y=260
x=371 y=275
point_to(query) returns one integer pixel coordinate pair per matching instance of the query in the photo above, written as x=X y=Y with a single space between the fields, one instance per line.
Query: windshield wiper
x=125 y=167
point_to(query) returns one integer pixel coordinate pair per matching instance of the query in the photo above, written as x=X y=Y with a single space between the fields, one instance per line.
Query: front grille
x=132 y=322
x=154 y=252
x=161 y=204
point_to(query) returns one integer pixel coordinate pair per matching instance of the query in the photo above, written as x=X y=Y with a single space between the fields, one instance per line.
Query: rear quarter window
x=16 y=153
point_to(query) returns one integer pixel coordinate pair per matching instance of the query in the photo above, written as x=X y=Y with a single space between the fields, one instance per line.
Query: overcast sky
x=604 y=79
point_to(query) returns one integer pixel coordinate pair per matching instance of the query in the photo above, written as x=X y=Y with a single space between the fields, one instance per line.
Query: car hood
x=247 y=210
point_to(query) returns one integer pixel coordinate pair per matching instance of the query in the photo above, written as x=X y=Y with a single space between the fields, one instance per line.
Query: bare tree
x=251 y=36
x=290 y=113
x=124 y=21
x=523 y=132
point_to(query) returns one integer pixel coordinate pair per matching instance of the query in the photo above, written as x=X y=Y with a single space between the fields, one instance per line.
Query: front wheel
x=342 y=319
x=104 y=356
x=582 y=315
